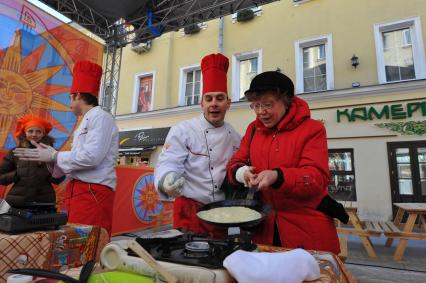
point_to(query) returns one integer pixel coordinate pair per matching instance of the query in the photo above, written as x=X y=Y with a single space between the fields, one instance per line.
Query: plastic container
x=19 y=278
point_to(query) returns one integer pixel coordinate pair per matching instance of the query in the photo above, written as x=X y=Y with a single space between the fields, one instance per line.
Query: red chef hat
x=28 y=121
x=86 y=78
x=214 y=68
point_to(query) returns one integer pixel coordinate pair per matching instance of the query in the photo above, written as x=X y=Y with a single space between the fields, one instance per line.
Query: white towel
x=293 y=266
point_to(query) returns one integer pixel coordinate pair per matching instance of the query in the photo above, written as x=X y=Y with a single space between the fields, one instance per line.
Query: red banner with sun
x=137 y=204
x=37 y=54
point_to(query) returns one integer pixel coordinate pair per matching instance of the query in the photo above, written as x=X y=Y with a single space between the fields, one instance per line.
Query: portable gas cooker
x=198 y=250
x=35 y=216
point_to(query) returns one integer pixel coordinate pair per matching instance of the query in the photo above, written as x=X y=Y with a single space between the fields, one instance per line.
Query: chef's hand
x=172 y=185
x=265 y=179
x=42 y=153
x=246 y=175
x=50 y=167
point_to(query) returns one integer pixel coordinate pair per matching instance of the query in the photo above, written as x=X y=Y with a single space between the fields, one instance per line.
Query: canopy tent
x=135 y=21
x=149 y=18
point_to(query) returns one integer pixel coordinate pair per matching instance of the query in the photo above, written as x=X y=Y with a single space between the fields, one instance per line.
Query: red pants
x=185 y=217
x=90 y=204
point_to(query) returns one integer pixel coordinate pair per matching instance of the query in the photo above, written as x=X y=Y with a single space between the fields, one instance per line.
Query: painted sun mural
x=21 y=88
x=37 y=53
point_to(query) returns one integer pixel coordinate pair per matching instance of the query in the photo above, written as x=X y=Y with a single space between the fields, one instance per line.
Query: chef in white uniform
x=192 y=166
x=91 y=162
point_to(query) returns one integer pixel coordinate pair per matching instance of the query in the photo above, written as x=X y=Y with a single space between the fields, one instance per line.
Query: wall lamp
x=354 y=61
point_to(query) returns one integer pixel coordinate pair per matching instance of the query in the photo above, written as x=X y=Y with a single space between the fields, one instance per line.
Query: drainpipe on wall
x=169 y=72
x=221 y=22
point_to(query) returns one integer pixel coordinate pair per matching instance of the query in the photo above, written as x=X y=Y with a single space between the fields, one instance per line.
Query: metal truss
x=171 y=15
x=82 y=14
x=111 y=76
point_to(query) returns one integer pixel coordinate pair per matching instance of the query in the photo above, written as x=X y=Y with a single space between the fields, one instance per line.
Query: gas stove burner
x=197 y=246
x=196 y=249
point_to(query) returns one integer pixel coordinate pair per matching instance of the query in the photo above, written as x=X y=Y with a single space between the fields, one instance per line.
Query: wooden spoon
x=142 y=253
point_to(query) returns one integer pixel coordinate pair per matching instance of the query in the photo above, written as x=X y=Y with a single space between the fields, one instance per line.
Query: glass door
x=408 y=171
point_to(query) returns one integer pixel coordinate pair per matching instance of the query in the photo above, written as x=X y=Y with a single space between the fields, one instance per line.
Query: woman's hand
x=265 y=179
x=250 y=177
x=246 y=175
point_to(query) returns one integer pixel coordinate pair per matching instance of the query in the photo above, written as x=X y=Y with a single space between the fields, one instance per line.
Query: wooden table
x=331 y=267
x=413 y=210
x=357 y=228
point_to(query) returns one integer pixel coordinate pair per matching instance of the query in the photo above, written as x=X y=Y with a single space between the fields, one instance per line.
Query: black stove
x=193 y=249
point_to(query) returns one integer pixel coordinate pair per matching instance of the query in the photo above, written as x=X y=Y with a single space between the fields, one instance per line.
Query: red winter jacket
x=298 y=146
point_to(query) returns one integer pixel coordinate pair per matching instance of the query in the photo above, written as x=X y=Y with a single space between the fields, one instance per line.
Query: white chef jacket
x=198 y=151
x=94 y=150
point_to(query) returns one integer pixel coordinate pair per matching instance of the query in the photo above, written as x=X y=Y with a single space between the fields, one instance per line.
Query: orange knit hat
x=28 y=121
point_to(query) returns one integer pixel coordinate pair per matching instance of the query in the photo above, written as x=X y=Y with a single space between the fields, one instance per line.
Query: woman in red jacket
x=285 y=157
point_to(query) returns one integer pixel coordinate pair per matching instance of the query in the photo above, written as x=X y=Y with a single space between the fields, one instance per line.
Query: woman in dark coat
x=32 y=180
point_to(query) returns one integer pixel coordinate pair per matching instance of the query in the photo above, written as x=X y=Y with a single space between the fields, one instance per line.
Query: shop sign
x=135 y=151
x=392 y=111
x=145 y=137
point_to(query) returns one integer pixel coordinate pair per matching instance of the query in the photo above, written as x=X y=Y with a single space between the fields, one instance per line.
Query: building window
x=342 y=172
x=314 y=65
x=190 y=85
x=245 y=66
x=399 y=50
x=314 y=68
x=398 y=55
x=144 y=92
x=248 y=70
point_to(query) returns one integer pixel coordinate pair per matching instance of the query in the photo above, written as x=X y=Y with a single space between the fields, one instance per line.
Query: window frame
x=414 y=24
x=344 y=173
x=182 y=82
x=299 y=45
x=136 y=90
x=236 y=58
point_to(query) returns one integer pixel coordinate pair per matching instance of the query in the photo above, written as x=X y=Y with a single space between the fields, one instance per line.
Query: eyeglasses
x=257 y=107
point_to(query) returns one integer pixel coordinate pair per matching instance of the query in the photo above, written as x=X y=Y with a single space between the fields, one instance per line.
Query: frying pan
x=263 y=209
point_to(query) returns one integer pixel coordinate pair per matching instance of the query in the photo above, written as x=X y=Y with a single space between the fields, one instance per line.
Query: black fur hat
x=271 y=80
